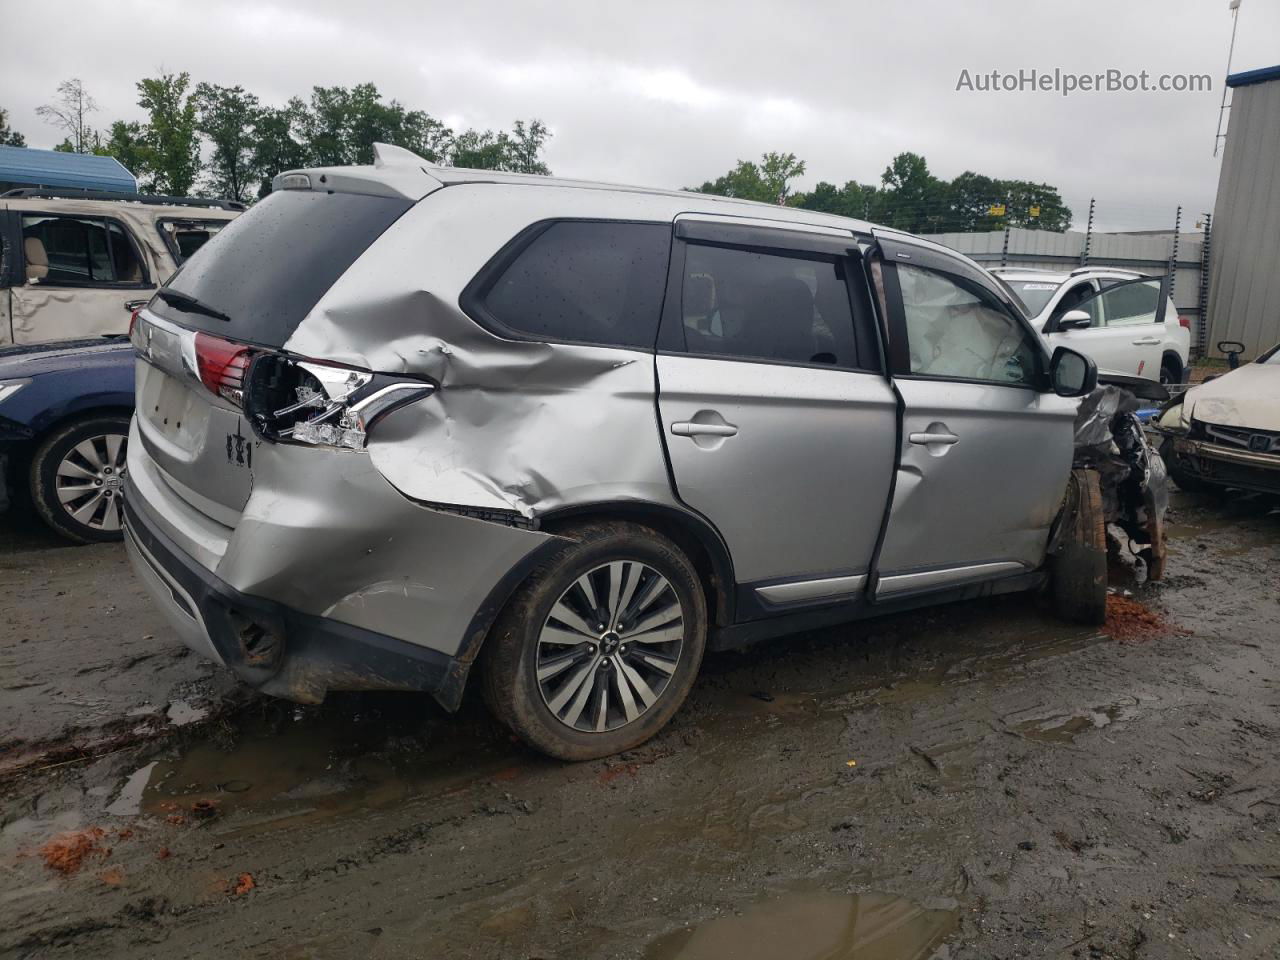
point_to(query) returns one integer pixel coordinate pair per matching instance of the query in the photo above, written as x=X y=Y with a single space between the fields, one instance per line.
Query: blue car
x=64 y=428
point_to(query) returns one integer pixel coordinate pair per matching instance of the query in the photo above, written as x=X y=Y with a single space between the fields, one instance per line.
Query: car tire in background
x=599 y=647
x=1186 y=482
x=77 y=478
x=1079 y=571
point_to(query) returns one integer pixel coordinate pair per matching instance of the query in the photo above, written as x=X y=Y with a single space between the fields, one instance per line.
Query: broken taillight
x=1185 y=322
x=222 y=365
x=321 y=403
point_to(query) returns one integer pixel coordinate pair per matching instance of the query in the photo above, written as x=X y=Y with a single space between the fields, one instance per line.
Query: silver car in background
x=399 y=421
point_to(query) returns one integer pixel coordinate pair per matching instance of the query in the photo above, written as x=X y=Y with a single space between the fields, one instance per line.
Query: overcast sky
x=673 y=93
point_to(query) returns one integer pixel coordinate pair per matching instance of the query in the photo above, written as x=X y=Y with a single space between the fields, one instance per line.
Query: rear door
x=777 y=418
x=1127 y=332
x=78 y=271
x=985 y=453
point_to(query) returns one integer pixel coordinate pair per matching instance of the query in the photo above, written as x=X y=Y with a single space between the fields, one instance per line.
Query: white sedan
x=1226 y=432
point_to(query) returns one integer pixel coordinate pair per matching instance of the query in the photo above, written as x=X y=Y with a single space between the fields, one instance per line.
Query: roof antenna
x=1234 y=7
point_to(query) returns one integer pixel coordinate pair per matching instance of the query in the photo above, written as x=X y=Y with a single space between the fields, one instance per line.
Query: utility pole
x=1202 y=327
x=1173 y=256
x=1088 y=236
x=1234 y=6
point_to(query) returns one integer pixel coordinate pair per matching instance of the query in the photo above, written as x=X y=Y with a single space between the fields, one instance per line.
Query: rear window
x=582 y=281
x=1034 y=294
x=268 y=267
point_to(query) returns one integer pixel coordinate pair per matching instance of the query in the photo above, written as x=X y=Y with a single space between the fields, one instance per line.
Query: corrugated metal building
x=1244 y=262
x=27 y=167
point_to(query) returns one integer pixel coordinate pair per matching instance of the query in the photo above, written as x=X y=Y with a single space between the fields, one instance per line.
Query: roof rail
x=1019 y=270
x=1131 y=273
x=79 y=193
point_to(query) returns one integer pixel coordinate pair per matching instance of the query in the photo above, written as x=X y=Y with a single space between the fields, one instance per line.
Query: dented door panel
x=43 y=313
x=984 y=491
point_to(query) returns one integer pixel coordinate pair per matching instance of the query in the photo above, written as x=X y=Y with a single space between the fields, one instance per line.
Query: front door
x=778 y=422
x=985 y=451
x=1126 y=332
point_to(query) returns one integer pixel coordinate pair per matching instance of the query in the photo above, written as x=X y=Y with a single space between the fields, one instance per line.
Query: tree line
x=223 y=141
x=909 y=197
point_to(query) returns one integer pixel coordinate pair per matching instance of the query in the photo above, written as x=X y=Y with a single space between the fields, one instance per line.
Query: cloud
x=673 y=93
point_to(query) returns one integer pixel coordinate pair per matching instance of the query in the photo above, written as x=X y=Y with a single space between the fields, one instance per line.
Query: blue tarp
x=25 y=167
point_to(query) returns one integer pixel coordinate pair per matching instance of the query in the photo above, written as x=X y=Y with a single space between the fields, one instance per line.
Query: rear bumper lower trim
x=306 y=655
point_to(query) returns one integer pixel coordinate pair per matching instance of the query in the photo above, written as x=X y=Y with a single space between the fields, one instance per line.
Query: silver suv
x=396 y=421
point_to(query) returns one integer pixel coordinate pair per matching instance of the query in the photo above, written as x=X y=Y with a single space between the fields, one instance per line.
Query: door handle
x=1147 y=342
x=690 y=428
x=926 y=438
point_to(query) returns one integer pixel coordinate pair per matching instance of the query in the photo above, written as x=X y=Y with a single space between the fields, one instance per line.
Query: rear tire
x=77 y=478
x=546 y=639
x=1079 y=572
x=1170 y=372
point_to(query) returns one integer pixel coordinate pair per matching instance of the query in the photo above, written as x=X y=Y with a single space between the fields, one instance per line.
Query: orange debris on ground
x=1131 y=622
x=242 y=884
x=113 y=877
x=67 y=852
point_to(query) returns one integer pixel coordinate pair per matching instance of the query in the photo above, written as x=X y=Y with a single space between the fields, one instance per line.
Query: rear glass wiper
x=190 y=304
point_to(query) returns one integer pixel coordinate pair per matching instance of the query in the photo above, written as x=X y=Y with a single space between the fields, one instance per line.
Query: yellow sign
x=1035 y=211
x=996 y=210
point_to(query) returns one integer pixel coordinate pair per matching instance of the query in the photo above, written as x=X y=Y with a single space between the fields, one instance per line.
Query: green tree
x=854 y=199
x=70 y=112
x=228 y=117
x=777 y=170
x=280 y=143
x=768 y=182
x=526 y=147
x=125 y=141
x=9 y=138
x=1036 y=206
x=170 y=134
x=913 y=198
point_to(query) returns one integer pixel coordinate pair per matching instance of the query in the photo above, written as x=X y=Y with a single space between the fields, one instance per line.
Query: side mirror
x=1072 y=374
x=1075 y=320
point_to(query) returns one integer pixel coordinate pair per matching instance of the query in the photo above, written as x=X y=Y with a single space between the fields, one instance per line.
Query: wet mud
x=974 y=781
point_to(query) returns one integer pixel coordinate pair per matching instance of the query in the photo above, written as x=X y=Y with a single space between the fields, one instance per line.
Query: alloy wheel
x=610 y=646
x=90 y=481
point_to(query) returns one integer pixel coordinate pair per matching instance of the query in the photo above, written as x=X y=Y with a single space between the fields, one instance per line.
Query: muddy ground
x=977 y=780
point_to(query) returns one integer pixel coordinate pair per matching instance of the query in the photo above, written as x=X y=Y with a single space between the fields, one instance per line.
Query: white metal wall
x=1244 y=290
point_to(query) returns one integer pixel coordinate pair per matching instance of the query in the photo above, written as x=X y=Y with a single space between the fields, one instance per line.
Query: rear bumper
x=274 y=648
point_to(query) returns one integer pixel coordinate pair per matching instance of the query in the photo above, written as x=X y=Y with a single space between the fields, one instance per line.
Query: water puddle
x=309 y=766
x=816 y=926
x=129 y=800
x=1065 y=727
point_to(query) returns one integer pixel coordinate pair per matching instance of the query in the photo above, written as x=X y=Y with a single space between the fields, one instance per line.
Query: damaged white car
x=1225 y=432
x=399 y=421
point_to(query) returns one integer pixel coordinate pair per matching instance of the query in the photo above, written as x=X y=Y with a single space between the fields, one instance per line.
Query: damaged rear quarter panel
x=517 y=426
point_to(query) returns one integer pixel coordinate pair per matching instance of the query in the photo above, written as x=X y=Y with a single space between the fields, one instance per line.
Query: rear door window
x=584 y=282
x=761 y=306
x=79 y=251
